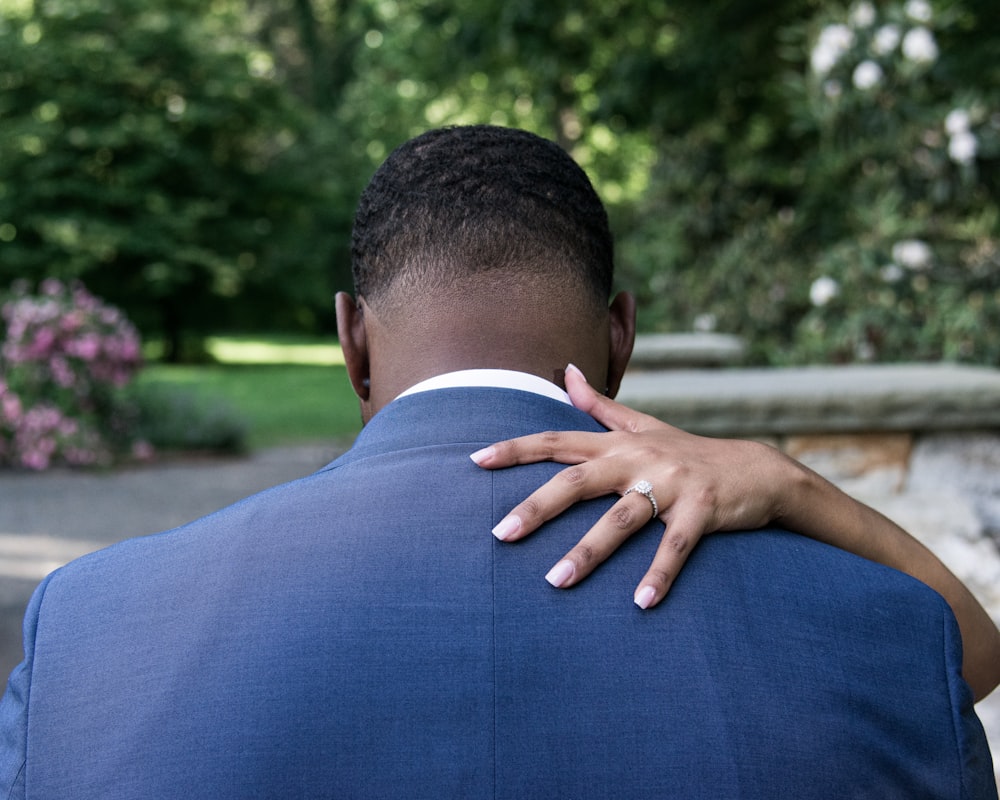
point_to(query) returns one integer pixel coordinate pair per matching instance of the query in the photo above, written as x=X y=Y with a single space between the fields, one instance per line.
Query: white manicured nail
x=482 y=455
x=561 y=573
x=645 y=596
x=507 y=527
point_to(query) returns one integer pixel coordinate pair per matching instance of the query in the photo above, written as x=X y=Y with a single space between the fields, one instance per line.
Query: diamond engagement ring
x=645 y=488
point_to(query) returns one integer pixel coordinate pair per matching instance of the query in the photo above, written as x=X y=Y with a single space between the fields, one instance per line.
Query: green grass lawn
x=288 y=389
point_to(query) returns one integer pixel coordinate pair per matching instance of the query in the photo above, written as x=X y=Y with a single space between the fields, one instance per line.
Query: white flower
x=823 y=290
x=834 y=41
x=865 y=351
x=176 y=106
x=919 y=46
x=867 y=75
x=962 y=147
x=912 y=253
x=863 y=15
x=891 y=273
x=886 y=40
x=823 y=59
x=957 y=121
x=705 y=323
x=919 y=10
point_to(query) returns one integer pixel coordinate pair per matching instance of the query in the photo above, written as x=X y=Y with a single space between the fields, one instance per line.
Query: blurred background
x=820 y=178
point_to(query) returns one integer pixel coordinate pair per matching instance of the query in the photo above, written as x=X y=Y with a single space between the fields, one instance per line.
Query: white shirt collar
x=491 y=378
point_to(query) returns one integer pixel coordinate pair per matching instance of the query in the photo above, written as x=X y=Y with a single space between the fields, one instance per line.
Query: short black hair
x=465 y=201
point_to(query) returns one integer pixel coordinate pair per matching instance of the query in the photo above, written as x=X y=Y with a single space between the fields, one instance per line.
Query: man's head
x=462 y=205
x=480 y=247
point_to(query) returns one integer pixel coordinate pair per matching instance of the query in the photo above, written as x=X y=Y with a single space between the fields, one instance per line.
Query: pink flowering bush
x=64 y=360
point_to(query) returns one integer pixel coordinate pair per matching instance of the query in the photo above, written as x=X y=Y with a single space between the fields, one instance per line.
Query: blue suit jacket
x=359 y=633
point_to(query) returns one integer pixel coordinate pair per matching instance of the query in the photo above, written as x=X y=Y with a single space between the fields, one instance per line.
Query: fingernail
x=645 y=596
x=576 y=369
x=561 y=573
x=507 y=527
x=482 y=455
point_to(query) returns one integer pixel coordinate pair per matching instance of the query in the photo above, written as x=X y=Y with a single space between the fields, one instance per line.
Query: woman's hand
x=699 y=485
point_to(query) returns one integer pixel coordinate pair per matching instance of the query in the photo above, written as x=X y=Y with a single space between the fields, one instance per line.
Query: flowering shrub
x=915 y=270
x=858 y=221
x=65 y=357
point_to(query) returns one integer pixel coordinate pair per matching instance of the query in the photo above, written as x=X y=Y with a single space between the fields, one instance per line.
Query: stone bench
x=819 y=400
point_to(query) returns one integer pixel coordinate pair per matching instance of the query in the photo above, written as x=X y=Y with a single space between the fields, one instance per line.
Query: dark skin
x=518 y=329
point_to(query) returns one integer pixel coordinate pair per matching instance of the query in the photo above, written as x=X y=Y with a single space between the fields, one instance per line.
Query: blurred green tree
x=149 y=151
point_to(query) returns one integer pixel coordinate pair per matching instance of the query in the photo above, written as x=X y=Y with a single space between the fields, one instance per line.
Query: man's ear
x=622 y=334
x=354 y=342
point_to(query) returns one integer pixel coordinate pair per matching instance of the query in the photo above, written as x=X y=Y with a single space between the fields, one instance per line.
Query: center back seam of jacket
x=493 y=589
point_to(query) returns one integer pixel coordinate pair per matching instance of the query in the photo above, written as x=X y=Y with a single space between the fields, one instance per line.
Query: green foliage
x=198 y=163
x=174 y=418
x=279 y=403
x=866 y=227
x=148 y=150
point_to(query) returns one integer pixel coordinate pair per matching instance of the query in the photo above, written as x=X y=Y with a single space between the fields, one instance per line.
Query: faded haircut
x=495 y=204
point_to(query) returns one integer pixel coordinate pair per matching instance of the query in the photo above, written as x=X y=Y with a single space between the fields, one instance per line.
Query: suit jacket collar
x=477 y=416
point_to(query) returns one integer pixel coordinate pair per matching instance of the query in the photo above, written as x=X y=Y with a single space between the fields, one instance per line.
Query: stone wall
x=817 y=400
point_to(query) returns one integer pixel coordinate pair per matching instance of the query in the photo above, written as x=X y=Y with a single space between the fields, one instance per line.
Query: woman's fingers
x=613 y=416
x=623 y=519
x=681 y=535
x=683 y=530
x=565 y=447
x=574 y=447
x=571 y=485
